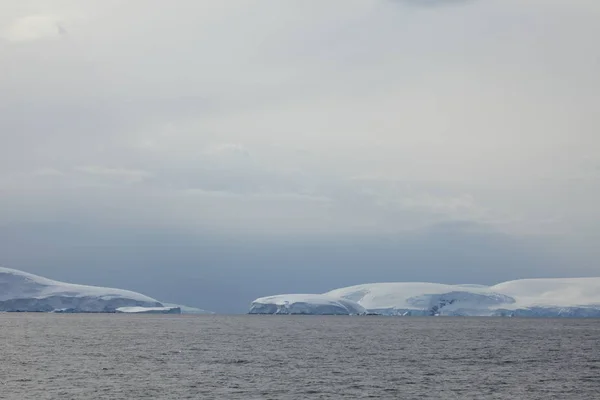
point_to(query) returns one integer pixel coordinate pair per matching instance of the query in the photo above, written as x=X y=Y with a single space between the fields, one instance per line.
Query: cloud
x=259 y=196
x=61 y=30
x=49 y=172
x=115 y=174
x=432 y=3
x=484 y=113
x=34 y=27
x=227 y=148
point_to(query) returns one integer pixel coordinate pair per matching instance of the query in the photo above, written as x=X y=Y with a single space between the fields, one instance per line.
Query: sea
x=116 y=356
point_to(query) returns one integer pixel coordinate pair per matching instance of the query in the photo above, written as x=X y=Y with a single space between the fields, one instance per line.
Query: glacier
x=313 y=304
x=551 y=297
x=22 y=291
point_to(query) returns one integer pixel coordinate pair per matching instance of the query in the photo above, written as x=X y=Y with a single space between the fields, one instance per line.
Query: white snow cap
x=528 y=297
x=512 y=295
x=22 y=291
x=16 y=284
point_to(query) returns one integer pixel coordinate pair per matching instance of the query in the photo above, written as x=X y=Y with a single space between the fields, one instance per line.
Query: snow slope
x=21 y=291
x=567 y=292
x=527 y=297
x=315 y=304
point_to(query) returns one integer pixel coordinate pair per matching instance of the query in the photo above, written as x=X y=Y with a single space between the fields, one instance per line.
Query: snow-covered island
x=21 y=291
x=572 y=297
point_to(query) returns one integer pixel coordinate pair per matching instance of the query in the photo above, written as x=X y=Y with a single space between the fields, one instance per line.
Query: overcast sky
x=210 y=152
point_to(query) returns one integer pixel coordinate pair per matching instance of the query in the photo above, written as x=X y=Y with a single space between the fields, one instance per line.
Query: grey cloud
x=432 y=3
x=32 y=28
x=120 y=174
x=61 y=29
x=348 y=121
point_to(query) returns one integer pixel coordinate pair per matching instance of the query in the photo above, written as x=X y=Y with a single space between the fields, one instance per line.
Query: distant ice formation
x=149 y=310
x=314 y=304
x=21 y=291
x=186 y=309
x=572 y=297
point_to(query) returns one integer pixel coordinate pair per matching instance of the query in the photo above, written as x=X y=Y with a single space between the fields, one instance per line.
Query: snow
x=564 y=292
x=535 y=297
x=18 y=284
x=305 y=304
x=422 y=298
x=22 y=291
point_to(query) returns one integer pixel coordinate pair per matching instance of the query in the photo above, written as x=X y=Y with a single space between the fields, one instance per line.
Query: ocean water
x=46 y=356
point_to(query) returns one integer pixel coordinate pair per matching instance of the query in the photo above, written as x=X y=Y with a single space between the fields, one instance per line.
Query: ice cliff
x=315 y=304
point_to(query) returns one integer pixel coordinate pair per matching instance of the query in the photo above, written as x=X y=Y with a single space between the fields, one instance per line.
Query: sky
x=209 y=153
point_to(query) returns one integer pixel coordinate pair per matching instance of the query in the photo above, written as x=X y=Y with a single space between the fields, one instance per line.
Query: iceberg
x=22 y=291
x=149 y=310
x=307 y=304
x=187 y=309
x=570 y=297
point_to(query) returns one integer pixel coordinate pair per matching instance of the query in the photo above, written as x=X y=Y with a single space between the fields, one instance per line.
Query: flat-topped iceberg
x=572 y=297
x=187 y=309
x=149 y=310
x=313 y=304
x=22 y=291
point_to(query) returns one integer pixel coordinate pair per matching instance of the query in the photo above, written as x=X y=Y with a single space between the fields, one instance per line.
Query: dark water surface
x=46 y=356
